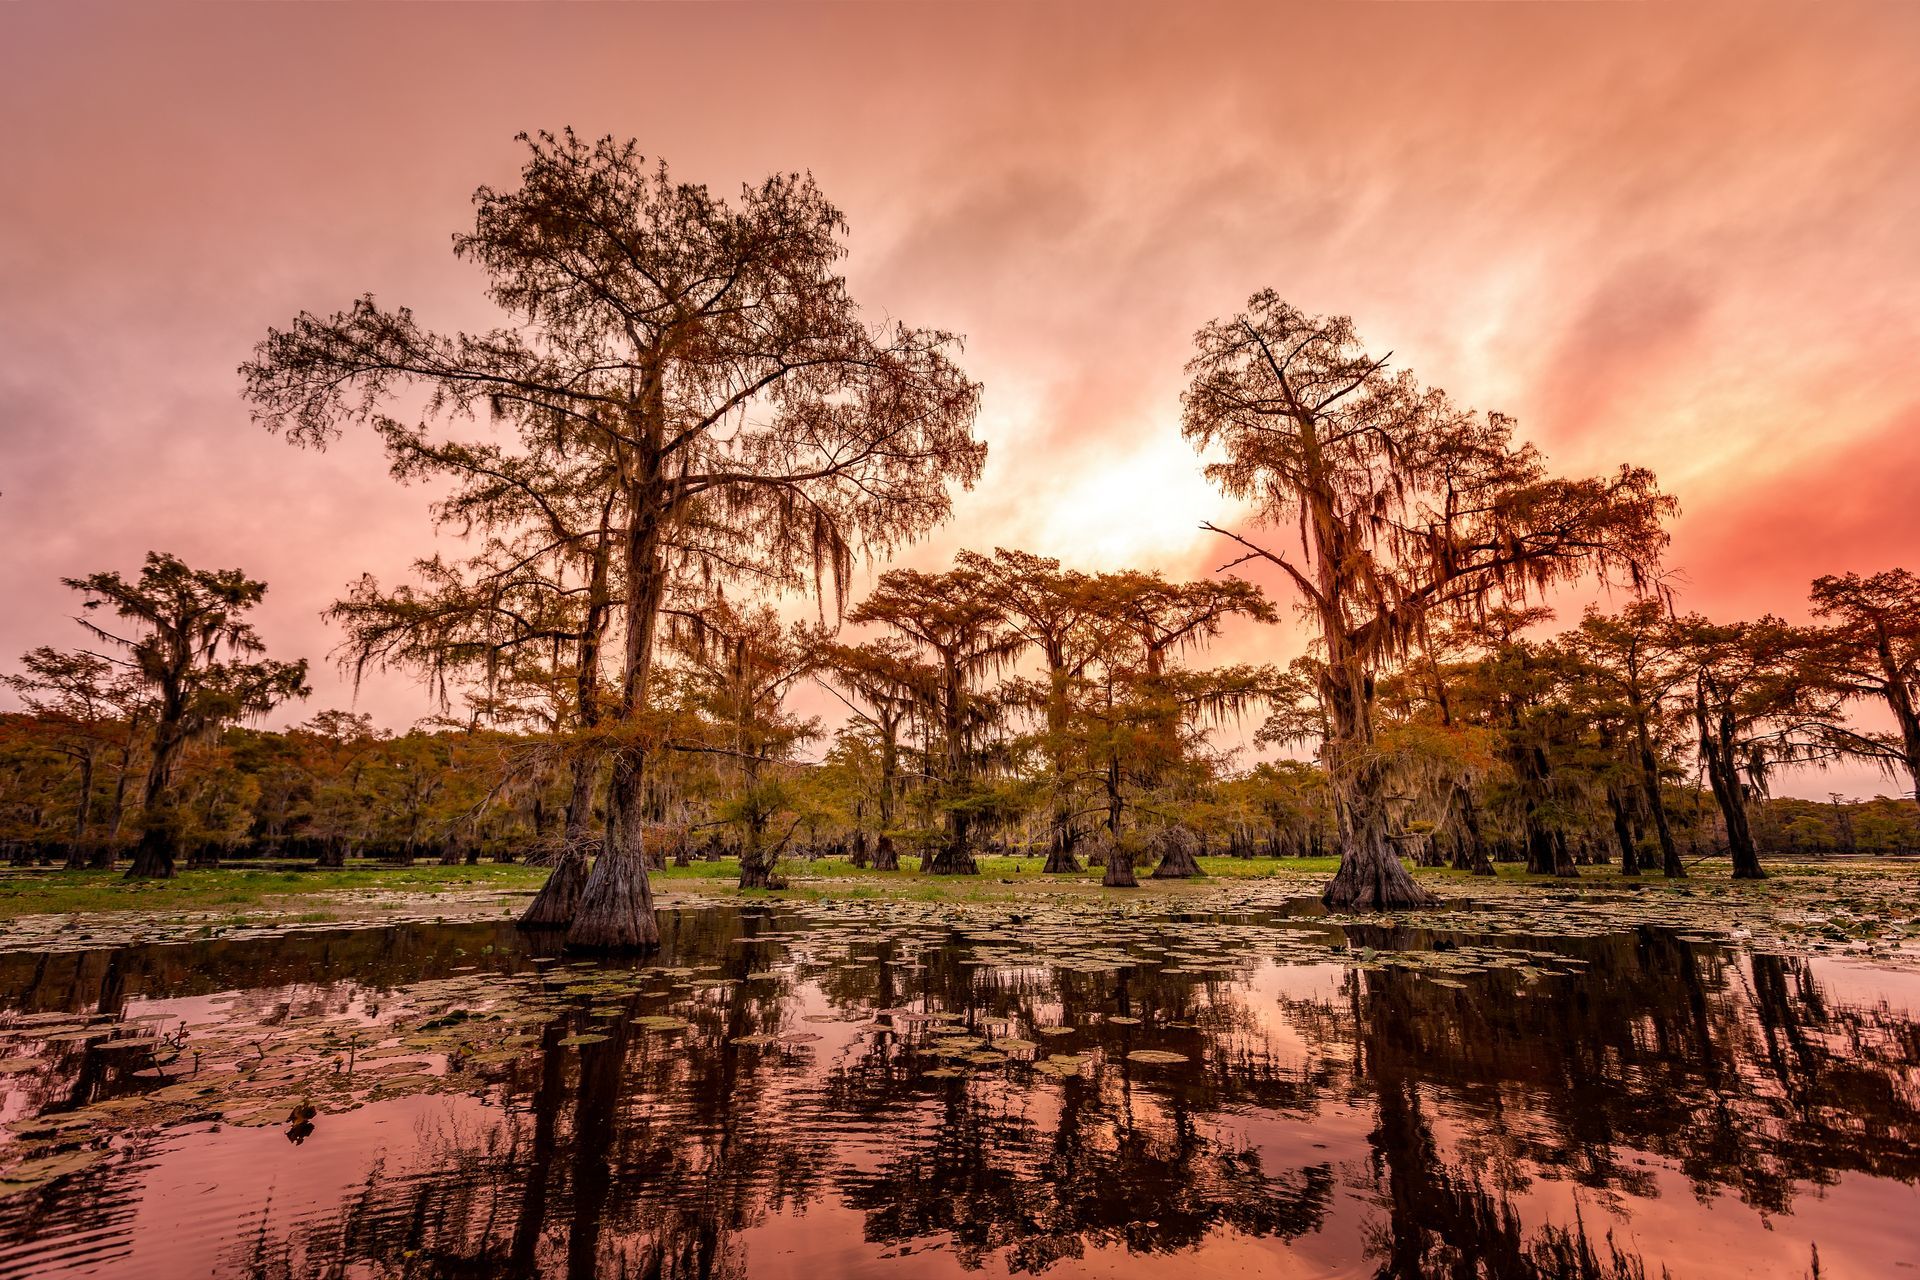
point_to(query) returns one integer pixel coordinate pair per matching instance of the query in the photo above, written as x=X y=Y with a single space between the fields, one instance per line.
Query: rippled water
x=870 y=1090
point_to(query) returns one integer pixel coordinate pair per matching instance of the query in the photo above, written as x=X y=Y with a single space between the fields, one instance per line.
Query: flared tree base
x=1060 y=861
x=558 y=901
x=758 y=874
x=1372 y=878
x=152 y=859
x=954 y=862
x=616 y=906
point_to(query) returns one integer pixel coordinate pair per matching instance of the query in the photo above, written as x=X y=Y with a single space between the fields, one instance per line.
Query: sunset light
x=783 y=640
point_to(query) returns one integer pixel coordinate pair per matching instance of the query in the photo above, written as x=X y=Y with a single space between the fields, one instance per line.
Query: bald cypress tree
x=747 y=421
x=1870 y=649
x=183 y=633
x=885 y=686
x=957 y=626
x=1401 y=506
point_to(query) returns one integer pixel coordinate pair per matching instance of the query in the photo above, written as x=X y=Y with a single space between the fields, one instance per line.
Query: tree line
x=684 y=413
x=1007 y=705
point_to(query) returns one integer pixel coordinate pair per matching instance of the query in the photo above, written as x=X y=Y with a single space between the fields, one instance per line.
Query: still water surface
x=908 y=1091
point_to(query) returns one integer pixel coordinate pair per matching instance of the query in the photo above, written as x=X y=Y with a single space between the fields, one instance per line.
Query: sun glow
x=1138 y=505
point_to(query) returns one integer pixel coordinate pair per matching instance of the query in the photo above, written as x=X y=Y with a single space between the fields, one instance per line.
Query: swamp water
x=910 y=1089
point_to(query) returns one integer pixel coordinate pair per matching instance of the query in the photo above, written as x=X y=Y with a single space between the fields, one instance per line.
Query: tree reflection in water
x=649 y=1154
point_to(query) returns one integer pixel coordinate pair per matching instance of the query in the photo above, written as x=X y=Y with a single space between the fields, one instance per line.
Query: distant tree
x=338 y=749
x=752 y=424
x=1637 y=659
x=1524 y=683
x=1871 y=649
x=1144 y=714
x=90 y=710
x=1459 y=752
x=887 y=684
x=1057 y=613
x=182 y=623
x=1406 y=507
x=1754 y=707
x=738 y=667
x=960 y=629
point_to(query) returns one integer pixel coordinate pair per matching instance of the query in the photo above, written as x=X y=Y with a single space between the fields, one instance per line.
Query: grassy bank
x=331 y=893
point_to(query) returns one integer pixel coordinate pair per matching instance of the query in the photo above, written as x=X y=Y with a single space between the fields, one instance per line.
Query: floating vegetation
x=1118 y=970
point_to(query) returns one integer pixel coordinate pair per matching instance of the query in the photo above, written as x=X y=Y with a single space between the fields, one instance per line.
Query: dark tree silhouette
x=753 y=425
x=1405 y=507
x=182 y=624
x=1871 y=649
x=959 y=627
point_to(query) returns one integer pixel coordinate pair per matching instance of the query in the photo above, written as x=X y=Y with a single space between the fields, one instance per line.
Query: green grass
x=24 y=893
x=321 y=895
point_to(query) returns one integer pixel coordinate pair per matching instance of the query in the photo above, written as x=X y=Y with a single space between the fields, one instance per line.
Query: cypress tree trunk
x=153 y=857
x=159 y=847
x=1119 y=860
x=83 y=809
x=1719 y=738
x=954 y=857
x=616 y=905
x=615 y=910
x=1650 y=788
x=885 y=856
x=559 y=898
x=1371 y=876
x=1060 y=855
x=1177 y=862
x=1563 y=865
x=757 y=860
x=1623 y=833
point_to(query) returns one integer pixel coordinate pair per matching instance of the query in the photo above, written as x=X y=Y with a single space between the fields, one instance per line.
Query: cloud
x=1649 y=233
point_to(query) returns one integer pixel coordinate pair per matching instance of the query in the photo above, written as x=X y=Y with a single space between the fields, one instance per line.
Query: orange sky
x=1688 y=236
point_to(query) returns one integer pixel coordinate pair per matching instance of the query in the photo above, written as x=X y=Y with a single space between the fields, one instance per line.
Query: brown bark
x=615 y=911
x=1623 y=833
x=1060 y=855
x=616 y=905
x=1650 y=789
x=757 y=861
x=559 y=898
x=1177 y=849
x=159 y=847
x=954 y=856
x=1371 y=876
x=1718 y=738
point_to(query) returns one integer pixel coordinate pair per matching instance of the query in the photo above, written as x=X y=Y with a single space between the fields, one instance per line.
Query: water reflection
x=910 y=1098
